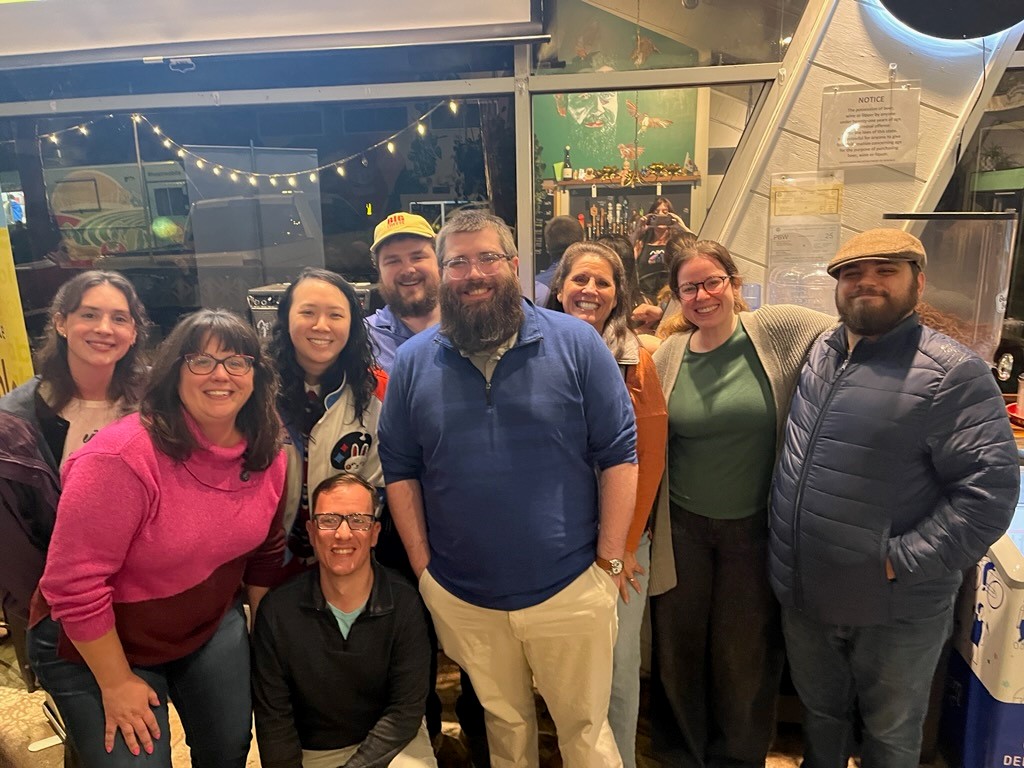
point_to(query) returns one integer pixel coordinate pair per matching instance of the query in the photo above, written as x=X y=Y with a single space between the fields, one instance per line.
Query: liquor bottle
x=567 y=166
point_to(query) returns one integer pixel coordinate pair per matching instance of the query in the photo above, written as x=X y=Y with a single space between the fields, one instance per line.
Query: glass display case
x=968 y=273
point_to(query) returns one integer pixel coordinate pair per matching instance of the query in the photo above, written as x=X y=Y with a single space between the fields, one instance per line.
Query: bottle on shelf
x=567 y=174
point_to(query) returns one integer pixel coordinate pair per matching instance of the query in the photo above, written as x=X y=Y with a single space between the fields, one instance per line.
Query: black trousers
x=717 y=652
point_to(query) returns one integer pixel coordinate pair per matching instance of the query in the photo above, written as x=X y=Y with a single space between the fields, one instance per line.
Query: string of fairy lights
x=194 y=159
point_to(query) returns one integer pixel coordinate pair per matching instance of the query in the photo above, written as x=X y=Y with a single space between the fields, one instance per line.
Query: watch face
x=616 y=567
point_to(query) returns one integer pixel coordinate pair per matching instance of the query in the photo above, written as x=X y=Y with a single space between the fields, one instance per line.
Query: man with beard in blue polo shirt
x=493 y=426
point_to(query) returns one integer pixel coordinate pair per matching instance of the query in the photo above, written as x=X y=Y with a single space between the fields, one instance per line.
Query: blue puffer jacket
x=902 y=449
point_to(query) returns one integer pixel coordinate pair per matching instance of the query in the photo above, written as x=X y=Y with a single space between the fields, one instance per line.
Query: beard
x=410 y=308
x=876 y=319
x=478 y=327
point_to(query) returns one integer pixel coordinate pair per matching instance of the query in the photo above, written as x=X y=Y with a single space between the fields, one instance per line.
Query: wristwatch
x=613 y=566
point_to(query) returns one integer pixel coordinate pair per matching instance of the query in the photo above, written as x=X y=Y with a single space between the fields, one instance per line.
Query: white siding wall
x=854 y=43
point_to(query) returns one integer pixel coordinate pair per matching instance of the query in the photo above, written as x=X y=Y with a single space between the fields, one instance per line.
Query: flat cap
x=881 y=243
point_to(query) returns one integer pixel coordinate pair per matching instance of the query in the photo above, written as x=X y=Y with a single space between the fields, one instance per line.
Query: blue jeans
x=625 y=702
x=885 y=671
x=209 y=687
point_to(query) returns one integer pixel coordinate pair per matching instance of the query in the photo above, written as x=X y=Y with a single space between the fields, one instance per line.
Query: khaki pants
x=563 y=644
x=417 y=754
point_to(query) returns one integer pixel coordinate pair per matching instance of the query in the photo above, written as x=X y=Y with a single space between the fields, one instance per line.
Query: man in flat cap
x=898 y=470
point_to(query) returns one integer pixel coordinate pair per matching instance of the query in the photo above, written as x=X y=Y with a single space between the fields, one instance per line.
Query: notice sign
x=875 y=126
x=803 y=234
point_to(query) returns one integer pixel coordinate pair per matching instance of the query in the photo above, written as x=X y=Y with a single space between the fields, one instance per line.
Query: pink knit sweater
x=155 y=546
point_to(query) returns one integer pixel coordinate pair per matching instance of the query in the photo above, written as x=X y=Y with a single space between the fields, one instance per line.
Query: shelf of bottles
x=610 y=201
x=613 y=209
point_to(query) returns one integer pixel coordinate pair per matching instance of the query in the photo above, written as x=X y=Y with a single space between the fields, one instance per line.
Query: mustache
x=869 y=292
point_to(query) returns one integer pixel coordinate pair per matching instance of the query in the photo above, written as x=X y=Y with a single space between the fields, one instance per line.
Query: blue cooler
x=983 y=718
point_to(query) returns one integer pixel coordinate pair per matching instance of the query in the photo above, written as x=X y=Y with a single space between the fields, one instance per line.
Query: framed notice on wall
x=804 y=215
x=869 y=126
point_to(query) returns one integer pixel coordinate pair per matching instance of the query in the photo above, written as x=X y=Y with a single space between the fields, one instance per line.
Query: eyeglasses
x=487 y=263
x=713 y=286
x=331 y=521
x=201 y=364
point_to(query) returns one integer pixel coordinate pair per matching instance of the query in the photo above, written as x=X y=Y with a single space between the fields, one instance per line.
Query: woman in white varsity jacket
x=330 y=396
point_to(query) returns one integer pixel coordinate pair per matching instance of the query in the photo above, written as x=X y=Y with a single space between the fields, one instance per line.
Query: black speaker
x=957 y=19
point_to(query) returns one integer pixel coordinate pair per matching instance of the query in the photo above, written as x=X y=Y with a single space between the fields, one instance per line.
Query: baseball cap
x=401 y=223
x=881 y=243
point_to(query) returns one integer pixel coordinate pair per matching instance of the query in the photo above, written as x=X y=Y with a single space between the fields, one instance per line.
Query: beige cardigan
x=781 y=334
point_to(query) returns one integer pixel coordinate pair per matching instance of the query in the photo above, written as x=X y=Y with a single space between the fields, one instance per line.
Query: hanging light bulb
x=391 y=147
x=341 y=170
x=83 y=130
x=273 y=181
x=216 y=170
x=54 y=139
x=233 y=176
x=200 y=164
x=181 y=153
x=453 y=105
x=364 y=162
x=254 y=181
x=136 y=118
x=292 y=181
x=421 y=129
x=156 y=129
x=312 y=177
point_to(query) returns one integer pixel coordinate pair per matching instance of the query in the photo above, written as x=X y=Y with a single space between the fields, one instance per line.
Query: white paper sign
x=877 y=126
x=803 y=233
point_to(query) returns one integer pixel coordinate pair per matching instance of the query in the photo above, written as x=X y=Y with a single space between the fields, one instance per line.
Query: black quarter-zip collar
x=379 y=603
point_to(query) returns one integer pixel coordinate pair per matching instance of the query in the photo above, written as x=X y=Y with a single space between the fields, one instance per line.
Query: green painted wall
x=586 y=39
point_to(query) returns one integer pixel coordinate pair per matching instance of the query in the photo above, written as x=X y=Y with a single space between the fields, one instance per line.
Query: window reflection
x=588 y=36
x=625 y=148
x=199 y=206
x=990 y=174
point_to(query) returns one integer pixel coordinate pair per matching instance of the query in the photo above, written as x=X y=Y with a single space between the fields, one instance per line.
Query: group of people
x=775 y=482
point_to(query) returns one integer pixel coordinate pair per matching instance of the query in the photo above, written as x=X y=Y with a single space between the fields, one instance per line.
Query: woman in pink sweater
x=163 y=516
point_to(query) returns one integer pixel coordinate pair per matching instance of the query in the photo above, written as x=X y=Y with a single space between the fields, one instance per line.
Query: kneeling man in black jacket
x=341 y=659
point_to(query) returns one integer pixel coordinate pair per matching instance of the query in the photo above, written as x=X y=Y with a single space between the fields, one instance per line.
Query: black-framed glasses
x=331 y=521
x=487 y=263
x=713 y=286
x=201 y=363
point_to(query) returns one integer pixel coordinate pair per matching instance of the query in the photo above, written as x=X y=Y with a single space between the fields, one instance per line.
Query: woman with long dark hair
x=90 y=373
x=163 y=516
x=330 y=397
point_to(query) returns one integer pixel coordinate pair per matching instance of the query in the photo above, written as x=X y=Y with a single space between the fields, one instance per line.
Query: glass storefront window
x=626 y=148
x=198 y=206
x=625 y=35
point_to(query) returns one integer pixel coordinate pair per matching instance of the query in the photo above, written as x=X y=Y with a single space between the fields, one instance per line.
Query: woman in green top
x=727 y=375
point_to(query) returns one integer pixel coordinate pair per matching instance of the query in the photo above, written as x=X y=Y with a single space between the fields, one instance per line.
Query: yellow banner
x=15 y=358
